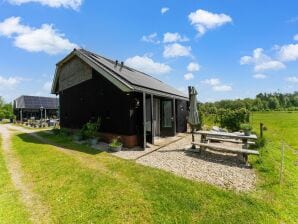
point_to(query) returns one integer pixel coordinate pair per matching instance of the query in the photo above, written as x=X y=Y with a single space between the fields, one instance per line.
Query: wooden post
x=152 y=120
x=45 y=113
x=21 y=115
x=282 y=163
x=174 y=116
x=261 y=129
x=144 y=120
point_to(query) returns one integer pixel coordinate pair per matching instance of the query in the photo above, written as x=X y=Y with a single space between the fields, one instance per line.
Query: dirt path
x=39 y=213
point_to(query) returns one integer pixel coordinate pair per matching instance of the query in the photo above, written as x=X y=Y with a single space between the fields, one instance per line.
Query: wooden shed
x=130 y=103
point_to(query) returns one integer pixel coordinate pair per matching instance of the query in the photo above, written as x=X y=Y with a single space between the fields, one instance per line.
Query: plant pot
x=247 y=132
x=93 y=141
x=115 y=148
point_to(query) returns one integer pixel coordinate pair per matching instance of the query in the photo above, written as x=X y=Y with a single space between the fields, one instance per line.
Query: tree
x=273 y=103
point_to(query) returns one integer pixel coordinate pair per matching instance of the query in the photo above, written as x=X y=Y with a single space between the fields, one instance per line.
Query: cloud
x=147 y=65
x=193 y=67
x=216 y=85
x=289 y=52
x=293 y=79
x=188 y=76
x=164 y=10
x=9 y=82
x=73 y=4
x=44 y=39
x=174 y=37
x=261 y=61
x=211 y=82
x=203 y=20
x=151 y=38
x=222 y=88
x=176 y=50
x=47 y=86
x=259 y=76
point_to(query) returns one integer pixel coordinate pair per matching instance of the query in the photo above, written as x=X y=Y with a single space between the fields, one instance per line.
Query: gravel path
x=221 y=169
x=39 y=213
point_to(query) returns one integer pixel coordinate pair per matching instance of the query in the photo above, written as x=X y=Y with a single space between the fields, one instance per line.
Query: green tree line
x=6 y=111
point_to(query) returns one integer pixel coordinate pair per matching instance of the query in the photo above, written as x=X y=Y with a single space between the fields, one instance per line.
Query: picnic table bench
x=238 y=138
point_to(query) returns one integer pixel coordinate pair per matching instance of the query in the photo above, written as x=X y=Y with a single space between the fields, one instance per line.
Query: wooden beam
x=152 y=120
x=174 y=116
x=144 y=120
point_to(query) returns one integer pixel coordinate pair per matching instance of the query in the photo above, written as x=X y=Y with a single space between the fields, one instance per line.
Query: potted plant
x=246 y=128
x=115 y=145
x=89 y=131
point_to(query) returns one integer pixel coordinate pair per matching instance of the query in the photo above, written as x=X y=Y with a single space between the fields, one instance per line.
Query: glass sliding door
x=167 y=124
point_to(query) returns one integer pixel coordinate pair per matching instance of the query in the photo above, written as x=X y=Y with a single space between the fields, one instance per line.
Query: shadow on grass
x=60 y=141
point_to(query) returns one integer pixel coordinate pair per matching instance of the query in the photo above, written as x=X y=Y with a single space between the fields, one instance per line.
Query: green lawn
x=282 y=127
x=11 y=209
x=86 y=186
x=90 y=187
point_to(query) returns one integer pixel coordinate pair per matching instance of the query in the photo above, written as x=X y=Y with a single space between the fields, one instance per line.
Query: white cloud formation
x=203 y=20
x=173 y=37
x=188 y=76
x=163 y=10
x=261 y=61
x=295 y=37
x=289 y=52
x=193 y=67
x=222 y=88
x=47 y=86
x=9 y=82
x=176 y=50
x=73 y=4
x=216 y=85
x=259 y=76
x=211 y=82
x=151 y=38
x=44 y=39
x=293 y=79
x=147 y=65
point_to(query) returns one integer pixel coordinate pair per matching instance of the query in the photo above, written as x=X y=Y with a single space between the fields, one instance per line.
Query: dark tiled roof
x=133 y=76
x=36 y=102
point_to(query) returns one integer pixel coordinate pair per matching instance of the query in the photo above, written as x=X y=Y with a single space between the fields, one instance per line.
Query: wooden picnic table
x=222 y=136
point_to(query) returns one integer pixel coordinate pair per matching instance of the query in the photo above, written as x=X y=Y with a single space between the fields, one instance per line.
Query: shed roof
x=133 y=79
x=36 y=102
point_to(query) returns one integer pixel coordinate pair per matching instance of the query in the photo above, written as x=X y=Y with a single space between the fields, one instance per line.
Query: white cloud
x=73 y=4
x=222 y=88
x=9 y=82
x=147 y=65
x=174 y=37
x=163 y=10
x=295 y=37
x=289 y=52
x=151 y=38
x=216 y=85
x=293 y=79
x=193 y=67
x=188 y=76
x=47 y=86
x=203 y=20
x=211 y=82
x=259 y=76
x=261 y=61
x=44 y=39
x=176 y=50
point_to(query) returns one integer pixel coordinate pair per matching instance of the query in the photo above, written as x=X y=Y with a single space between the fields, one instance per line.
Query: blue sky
x=226 y=48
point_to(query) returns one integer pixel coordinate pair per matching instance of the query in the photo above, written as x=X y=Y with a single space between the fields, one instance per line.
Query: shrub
x=90 y=129
x=261 y=141
x=231 y=119
x=246 y=127
x=115 y=142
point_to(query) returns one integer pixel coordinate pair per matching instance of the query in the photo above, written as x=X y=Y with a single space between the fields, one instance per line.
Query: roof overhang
x=117 y=81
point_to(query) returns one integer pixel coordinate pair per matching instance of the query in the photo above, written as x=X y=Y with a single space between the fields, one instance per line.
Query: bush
x=231 y=119
x=90 y=129
x=261 y=142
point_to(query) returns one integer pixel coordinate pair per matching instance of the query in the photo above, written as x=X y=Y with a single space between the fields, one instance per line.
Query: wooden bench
x=215 y=147
x=229 y=140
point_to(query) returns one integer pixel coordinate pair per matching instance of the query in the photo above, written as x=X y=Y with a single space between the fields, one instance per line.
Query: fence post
x=261 y=130
x=282 y=163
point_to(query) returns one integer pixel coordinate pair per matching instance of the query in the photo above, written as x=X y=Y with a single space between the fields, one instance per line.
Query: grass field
x=85 y=186
x=282 y=127
x=11 y=209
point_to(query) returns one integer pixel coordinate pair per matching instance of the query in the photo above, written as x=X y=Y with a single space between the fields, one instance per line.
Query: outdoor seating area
x=212 y=140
